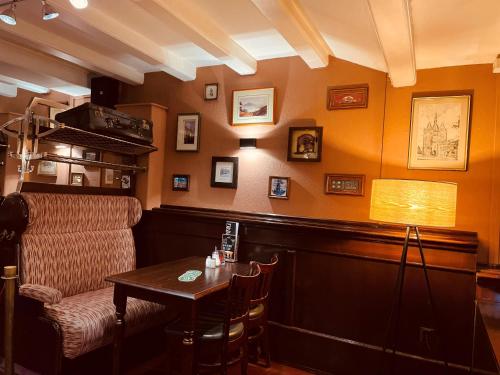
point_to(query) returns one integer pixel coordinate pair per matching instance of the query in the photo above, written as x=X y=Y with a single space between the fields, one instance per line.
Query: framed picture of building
x=188 y=132
x=304 y=143
x=439 y=135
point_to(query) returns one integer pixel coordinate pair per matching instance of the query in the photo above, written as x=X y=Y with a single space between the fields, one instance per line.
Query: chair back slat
x=263 y=285
x=241 y=290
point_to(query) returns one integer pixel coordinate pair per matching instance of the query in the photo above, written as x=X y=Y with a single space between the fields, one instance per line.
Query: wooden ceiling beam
x=292 y=22
x=27 y=65
x=393 y=24
x=187 y=18
x=131 y=40
x=73 y=52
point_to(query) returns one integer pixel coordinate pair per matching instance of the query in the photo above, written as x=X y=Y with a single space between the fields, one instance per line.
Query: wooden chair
x=257 y=323
x=223 y=332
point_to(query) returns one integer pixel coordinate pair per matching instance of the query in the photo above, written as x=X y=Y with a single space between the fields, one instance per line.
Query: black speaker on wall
x=104 y=91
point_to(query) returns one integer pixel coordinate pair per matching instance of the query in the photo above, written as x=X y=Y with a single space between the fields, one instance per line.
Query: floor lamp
x=413 y=203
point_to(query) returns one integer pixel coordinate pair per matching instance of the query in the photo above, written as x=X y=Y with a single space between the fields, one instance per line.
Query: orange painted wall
x=353 y=140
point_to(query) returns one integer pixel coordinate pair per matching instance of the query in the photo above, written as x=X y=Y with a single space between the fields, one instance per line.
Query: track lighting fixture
x=79 y=4
x=48 y=13
x=8 y=16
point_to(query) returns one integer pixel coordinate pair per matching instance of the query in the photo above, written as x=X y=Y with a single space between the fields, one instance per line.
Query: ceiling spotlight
x=9 y=15
x=79 y=4
x=48 y=13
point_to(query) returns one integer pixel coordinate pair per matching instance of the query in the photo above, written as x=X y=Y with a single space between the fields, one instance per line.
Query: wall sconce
x=247 y=143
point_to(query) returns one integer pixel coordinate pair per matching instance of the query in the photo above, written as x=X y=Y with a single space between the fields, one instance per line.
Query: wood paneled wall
x=333 y=288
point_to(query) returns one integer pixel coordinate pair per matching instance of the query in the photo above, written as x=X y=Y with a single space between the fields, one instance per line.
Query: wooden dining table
x=160 y=283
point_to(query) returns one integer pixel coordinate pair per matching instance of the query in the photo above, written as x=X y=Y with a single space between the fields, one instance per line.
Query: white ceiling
x=127 y=38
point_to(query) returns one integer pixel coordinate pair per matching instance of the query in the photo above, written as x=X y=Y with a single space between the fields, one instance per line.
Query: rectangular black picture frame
x=180 y=176
x=217 y=167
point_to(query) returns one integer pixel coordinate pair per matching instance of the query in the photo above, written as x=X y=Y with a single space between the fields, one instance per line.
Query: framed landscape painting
x=439 y=135
x=254 y=107
x=188 y=132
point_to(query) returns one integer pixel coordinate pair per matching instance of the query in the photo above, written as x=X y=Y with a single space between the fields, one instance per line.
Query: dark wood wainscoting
x=333 y=289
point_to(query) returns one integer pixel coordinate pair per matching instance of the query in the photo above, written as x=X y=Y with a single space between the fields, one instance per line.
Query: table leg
x=120 y=301
x=188 y=342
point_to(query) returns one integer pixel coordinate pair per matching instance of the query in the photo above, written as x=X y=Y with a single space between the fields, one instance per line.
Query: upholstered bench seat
x=87 y=320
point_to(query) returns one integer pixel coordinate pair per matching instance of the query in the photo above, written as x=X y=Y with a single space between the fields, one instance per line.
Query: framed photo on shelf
x=224 y=172
x=180 y=182
x=76 y=179
x=47 y=168
x=345 y=184
x=347 y=97
x=188 y=132
x=211 y=91
x=126 y=181
x=254 y=107
x=91 y=155
x=439 y=132
x=279 y=187
x=304 y=144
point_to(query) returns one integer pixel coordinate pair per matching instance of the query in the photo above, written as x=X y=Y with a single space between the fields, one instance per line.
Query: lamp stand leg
x=396 y=301
x=435 y=315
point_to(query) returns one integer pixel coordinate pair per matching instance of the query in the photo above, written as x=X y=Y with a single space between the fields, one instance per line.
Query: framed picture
x=47 y=168
x=125 y=181
x=91 y=155
x=180 y=182
x=279 y=187
x=188 y=132
x=439 y=135
x=346 y=97
x=76 y=179
x=224 y=172
x=211 y=91
x=304 y=144
x=109 y=176
x=345 y=184
x=254 y=107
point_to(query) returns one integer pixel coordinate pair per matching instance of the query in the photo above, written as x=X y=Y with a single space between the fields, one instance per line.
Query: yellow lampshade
x=414 y=202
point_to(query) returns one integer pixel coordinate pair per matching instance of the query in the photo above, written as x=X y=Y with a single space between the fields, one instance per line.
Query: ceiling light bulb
x=48 y=13
x=9 y=15
x=79 y=4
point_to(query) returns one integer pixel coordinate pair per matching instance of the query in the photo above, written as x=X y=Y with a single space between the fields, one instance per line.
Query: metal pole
x=9 y=276
x=396 y=304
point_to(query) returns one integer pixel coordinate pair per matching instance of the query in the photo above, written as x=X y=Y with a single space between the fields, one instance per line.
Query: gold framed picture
x=439 y=132
x=47 y=168
x=345 y=184
x=76 y=179
x=254 y=107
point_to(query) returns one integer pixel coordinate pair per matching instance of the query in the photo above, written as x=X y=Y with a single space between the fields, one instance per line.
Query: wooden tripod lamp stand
x=413 y=203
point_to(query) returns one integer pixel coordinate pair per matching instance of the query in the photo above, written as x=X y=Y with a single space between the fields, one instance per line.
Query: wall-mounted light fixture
x=247 y=143
x=8 y=16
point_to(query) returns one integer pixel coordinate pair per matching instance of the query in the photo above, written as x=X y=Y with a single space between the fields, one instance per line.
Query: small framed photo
x=347 y=97
x=91 y=155
x=76 y=179
x=345 y=184
x=126 y=181
x=188 y=132
x=279 y=187
x=47 y=168
x=224 y=172
x=254 y=107
x=211 y=91
x=304 y=144
x=439 y=132
x=180 y=182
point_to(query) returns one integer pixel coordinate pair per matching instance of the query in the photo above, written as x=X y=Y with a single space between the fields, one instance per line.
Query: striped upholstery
x=71 y=244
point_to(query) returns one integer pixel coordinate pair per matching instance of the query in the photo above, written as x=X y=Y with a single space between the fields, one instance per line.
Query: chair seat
x=209 y=327
x=87 y=320
x=257 y=311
